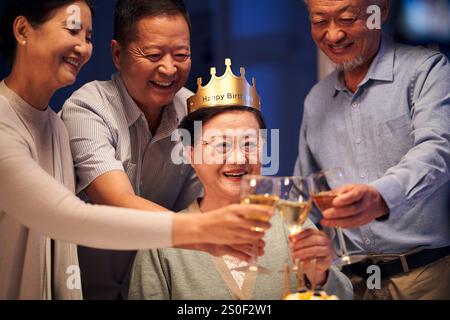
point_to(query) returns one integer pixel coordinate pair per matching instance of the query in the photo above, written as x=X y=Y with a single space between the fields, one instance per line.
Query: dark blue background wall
x=269 y=37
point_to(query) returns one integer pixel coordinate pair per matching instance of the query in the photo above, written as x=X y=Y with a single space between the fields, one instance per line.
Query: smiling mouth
x=73 y=62
x=163 y=84
x=340 y=47
x=235 y=175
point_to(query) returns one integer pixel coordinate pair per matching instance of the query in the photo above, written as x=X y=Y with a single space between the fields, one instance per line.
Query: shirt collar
x=131 y=109
x=381 y=69
x=339 y=82
x=169 y=122
x=170 y=118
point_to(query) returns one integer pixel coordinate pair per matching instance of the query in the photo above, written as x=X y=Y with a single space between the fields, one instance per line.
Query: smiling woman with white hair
x=229 y=148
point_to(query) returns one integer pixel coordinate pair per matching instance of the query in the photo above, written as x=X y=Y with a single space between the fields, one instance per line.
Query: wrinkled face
x=229 y=149
x=156 y=64
x=56 y=49
x=339 y=28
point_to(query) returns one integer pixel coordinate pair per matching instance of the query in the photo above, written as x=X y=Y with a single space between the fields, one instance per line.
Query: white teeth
x=341 y=46
x=73 y=62
x=234 y=175
x=163 y=84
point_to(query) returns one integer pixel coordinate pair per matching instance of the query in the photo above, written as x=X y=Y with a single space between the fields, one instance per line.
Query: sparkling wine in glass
x=294 y=214
x=258 y=190
x=294 y=207
x=323 y=196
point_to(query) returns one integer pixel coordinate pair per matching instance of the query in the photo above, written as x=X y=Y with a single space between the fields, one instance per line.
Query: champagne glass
x=263 y=191
x=323 y=195
x=294 y=207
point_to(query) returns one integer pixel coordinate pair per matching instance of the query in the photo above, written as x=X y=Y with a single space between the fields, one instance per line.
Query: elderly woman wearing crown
x=226 y=106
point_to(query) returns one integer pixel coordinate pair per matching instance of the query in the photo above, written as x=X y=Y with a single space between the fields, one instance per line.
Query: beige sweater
x=37 y=202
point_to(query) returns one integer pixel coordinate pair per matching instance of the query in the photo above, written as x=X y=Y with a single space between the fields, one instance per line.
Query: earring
x=24 y=42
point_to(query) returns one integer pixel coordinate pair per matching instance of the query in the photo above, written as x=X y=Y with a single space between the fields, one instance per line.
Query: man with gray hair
x=384 y=116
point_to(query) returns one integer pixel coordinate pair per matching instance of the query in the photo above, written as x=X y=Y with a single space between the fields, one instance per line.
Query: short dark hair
x=37 y=13
x=206 y=114
x=129 y=12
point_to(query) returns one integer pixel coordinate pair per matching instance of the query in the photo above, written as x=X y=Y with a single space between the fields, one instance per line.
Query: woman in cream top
x=47 y=50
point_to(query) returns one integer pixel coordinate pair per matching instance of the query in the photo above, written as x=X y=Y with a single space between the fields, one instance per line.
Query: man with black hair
x=120 y=131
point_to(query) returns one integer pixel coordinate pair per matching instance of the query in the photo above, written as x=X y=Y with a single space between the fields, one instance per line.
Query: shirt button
x=362 y=175
x=368 y=242
x=355 y=105
x=358 y=141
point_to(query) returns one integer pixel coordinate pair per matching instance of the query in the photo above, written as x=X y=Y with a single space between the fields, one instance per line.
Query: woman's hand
x=240 y=251
x=310 y=244
x=227 y=225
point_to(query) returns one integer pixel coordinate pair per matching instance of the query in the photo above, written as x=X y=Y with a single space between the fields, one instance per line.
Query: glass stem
x=300 y=275
x=342 y=244
x=286 y=280
x=254 y=259
x=314 y=276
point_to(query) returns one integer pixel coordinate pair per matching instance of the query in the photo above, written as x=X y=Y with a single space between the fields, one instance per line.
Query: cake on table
x=310 y=295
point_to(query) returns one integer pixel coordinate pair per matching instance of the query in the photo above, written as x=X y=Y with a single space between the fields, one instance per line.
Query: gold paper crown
x=228 y=90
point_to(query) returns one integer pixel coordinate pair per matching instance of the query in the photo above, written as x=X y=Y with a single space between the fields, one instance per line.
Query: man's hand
x=355 y=206
x=313 y=244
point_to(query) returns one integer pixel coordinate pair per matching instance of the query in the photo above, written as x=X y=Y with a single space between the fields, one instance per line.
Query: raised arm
x=426 y=166
x=422 y=171
x=36 y=200
x=114 y=188
x=104 y=178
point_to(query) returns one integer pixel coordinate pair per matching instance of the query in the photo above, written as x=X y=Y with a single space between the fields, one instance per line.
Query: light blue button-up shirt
x=392 y=133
